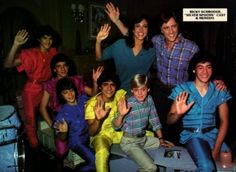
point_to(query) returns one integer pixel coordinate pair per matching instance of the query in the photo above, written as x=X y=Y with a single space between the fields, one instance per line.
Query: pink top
x=36 y=64
x=50 y=87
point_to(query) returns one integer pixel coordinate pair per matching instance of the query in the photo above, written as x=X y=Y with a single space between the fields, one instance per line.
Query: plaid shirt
x=136 y=122
x=172 y=66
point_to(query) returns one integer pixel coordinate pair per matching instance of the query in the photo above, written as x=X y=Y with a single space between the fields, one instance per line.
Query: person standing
x=132 y=55
x=173 y=54
x=36 y=63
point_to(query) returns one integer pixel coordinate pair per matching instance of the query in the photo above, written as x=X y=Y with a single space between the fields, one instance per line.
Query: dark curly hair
x=40 y=31
x=60 y=57
x=108 y=76
x=200 y=57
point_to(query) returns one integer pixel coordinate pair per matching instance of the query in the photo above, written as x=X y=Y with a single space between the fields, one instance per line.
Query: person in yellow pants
x=99 y=113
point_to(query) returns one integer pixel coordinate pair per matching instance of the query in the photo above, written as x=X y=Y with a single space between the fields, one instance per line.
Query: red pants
x=31 y=101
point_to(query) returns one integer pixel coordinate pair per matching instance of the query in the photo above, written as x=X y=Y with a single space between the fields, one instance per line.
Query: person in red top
x=36 y=63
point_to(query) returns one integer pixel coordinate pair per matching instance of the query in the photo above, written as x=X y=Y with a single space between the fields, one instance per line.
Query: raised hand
x=97 y=73
x=112 y=12
x=122 y=107
x=103 y=32
x=100 y=111
x=181 y=103
x=61 y=126
x=21 y=37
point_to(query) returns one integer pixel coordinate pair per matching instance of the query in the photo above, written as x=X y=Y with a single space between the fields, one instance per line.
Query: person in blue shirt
x=196 y=104
x=132 y=55
x=70 y=122
x=172 y=55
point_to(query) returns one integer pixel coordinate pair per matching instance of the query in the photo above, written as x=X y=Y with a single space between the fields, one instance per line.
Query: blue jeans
x=200 y=152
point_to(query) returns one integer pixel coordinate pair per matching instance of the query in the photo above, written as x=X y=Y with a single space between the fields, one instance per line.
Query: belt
x=132 y=135
x=34 y=81
x=199 y=130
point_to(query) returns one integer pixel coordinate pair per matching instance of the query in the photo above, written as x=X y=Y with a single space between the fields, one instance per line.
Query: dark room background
x=217 y=37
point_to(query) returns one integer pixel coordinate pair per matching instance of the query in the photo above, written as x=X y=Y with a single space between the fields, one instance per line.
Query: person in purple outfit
x=70 y=122
x=49 y=106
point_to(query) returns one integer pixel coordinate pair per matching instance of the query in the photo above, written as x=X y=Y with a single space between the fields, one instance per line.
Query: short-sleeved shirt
x=36 y=64
x=172 y=66
x=50 y=87
x=106 y=127
x=203 y=113
x=74 y=116
x=142 y=114
x=126 y=63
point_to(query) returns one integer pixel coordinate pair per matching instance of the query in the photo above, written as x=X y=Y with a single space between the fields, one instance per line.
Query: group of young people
x=120 y=108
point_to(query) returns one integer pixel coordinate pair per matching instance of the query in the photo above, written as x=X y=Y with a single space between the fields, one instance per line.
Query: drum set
x=12 y=154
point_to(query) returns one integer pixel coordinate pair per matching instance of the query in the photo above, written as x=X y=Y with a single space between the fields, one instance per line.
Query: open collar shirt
x=203 y=112
x=172 y=66
x=36 y=64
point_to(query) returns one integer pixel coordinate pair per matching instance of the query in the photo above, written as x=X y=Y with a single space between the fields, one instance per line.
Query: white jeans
x=135 y=147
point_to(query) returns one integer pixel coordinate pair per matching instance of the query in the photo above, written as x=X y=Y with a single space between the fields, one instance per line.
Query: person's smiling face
x=140 y=30
x=61 y=69
x=45 y=43
x=69 y=96
x=108 y=90
x=203 y=72
x=170 y=30
x=140 y=93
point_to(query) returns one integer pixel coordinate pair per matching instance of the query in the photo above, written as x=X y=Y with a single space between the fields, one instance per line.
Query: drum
x=12 y=154
x=9 y=123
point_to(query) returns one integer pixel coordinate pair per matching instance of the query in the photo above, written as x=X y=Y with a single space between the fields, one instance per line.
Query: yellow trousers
x=102 y=144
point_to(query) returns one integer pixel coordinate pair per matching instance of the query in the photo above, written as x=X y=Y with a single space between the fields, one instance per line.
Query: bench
x=166 y=164
x=167 y=159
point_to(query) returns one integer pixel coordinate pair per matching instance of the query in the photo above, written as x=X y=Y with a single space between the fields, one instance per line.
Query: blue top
x=136 y=122
x=203 y=112
x=74 y=116
x=126 y=63
x=172 y=66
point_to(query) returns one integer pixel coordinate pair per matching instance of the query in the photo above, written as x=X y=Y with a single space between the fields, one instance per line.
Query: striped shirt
x=172 y=66
x=137 y=121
